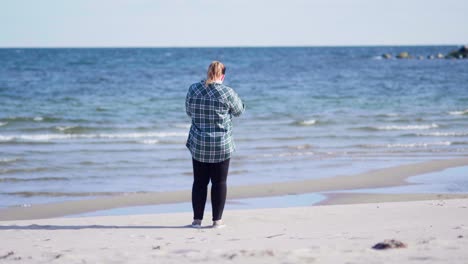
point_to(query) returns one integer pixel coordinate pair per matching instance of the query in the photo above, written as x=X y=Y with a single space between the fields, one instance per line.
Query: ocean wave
x=33 y=179
x=409 y=127
x=460 y=143
x=30 y=119
x=150 y=141
x=407 y=145
x=464 y=112
x=388 y=115
x=442 y=134
x=73 y=129
x=62 y=194
x=9 y=160
x=305 y=146
x=3 y=123
x=15 y=142
x=63 y=128
x=419 y=145
x=29 y=170
x=49 y=137
x=186 y=126
x=291 y=154
x=256 y=139
x=309 y=122
x=298 y=147
x=406 y=127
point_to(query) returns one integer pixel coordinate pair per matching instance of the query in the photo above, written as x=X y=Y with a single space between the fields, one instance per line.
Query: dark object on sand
x=461 y=53
x=389 y=243
x=7 y=255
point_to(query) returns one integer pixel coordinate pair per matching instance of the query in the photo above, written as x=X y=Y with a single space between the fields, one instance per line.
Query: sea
x=79 y=123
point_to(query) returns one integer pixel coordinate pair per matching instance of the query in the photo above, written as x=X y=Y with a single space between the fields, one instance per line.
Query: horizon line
x=229 y=46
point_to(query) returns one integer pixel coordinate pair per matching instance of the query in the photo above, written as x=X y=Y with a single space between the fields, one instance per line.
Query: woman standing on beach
x=211 y=105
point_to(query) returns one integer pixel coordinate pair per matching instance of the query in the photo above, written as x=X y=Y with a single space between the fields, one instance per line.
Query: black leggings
x=202 y=174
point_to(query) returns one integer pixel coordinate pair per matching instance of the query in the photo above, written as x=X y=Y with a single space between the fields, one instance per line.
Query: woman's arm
x=187 y=104
x=237 y=107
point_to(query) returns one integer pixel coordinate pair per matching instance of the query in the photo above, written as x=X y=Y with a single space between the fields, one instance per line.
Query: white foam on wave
x=409 y=145
x=289 y=154
x=464 y=112
x=419 y=145
x=3 y=123
x=9 y=160
x=6 y=138
x=150 y=141
x=444 y=134
x=309 y=122
x=64 y=128
x=409 y=127
x=38 y=118
x=49 y=137
x=180 y=125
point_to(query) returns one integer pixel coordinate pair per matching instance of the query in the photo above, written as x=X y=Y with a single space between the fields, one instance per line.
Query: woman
x=211 y=105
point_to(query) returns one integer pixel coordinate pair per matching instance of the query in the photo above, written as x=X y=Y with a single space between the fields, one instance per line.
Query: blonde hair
x=215 y=71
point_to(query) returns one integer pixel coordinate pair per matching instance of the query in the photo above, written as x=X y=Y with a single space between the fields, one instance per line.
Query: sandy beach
x=433 y=231
x=341 y=229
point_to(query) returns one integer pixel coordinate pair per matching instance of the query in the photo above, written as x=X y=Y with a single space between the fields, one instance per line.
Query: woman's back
x=211 y=108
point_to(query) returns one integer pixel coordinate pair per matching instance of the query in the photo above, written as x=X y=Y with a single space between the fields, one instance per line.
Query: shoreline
x=386 y=177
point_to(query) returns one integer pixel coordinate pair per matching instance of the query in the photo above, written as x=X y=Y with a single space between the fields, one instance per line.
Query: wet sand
x=387 y=177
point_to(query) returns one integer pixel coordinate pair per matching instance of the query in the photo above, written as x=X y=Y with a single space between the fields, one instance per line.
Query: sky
x=226 y=23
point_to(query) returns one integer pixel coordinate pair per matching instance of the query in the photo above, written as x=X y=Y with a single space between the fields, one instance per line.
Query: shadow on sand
x=78 y=227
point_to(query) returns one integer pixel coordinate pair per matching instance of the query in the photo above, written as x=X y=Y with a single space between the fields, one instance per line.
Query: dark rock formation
x=403 y=55
x=461 y=53
x=387 y=56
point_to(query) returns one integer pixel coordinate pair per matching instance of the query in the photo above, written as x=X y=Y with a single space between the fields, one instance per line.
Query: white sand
x=435 y=232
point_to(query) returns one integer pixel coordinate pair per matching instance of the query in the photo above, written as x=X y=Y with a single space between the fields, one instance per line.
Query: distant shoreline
x=231 y=47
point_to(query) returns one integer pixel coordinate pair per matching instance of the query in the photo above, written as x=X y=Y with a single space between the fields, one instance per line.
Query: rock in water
x=387 y=56
x=403 y=55
x=464 y=50
x=461 y=53
x=389 y=243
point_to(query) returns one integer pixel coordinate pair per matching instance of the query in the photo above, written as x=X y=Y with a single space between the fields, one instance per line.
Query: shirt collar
x=217 y=82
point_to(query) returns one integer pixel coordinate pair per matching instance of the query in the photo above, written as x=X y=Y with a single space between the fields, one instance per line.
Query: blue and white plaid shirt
x=211 y=109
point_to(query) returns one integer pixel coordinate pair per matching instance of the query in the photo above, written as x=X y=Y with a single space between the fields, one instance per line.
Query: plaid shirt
x=211 y=109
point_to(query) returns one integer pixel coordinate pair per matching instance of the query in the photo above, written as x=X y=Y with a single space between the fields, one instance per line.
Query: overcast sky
x=179 y=23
